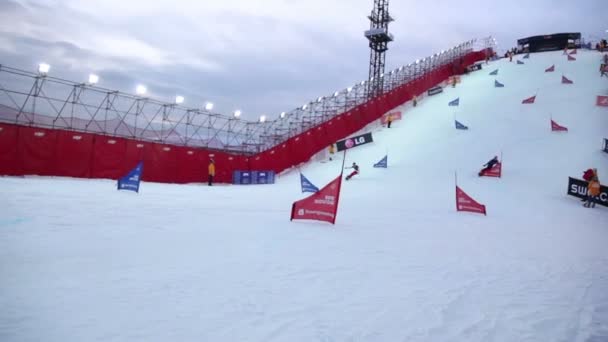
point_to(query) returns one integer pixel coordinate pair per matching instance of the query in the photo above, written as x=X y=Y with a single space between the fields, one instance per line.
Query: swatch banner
x=354 y=142
x=578 y=188
x=320 y=206
x=132 y=179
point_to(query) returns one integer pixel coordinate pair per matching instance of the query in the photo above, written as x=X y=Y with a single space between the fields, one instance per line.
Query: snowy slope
x=82 y=262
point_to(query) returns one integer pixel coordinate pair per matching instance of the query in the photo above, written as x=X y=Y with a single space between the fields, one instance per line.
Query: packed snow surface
x=80 y=261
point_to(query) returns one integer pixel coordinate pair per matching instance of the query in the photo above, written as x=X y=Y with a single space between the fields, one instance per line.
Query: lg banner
x=320 y=206
x=602 y=101
x=132 y=179
x=474 y=67
x=354 y=141
x=578 y=188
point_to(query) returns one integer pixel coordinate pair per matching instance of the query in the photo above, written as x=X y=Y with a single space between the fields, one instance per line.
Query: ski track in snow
x=80 y=261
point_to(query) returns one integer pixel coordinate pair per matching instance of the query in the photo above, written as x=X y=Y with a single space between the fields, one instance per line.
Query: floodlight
x=208 y=106
x=179 y=99
x=381 y=75
x=93 y=79
x=283 y=114
x=362 y=82
x=237 y=113
x=320 y=99
x=417 y=61
x=43 y=68
x=304 y=106
x=336 y=94
x=349 y=89
x=141 y=89
x=262 y=118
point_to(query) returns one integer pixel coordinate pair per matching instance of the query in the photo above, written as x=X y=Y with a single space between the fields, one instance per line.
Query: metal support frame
x=33 y=99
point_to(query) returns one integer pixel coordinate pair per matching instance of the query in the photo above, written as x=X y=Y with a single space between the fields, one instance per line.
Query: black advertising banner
x=578 y=188
x=354 y=141
x=474 y=67
x=606 y=145
x=435 y=90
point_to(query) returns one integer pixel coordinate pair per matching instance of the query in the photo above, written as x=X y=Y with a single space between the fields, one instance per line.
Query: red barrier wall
x=9 y=155
x=38 y=151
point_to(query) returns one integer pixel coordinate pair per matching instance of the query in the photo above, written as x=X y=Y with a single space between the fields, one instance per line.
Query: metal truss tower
x=378 y=37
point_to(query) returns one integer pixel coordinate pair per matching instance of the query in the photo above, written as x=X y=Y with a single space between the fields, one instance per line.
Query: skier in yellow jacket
x=211 y=171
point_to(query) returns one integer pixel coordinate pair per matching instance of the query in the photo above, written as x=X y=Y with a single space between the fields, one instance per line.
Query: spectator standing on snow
x=415 y=100
x=593 y=191
x=354 y=173
x=389 y=120
x=332 y=150
x=211 y=170
x=587 y=176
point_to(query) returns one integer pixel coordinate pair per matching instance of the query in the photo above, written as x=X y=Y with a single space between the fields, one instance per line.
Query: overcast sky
x=263 y=57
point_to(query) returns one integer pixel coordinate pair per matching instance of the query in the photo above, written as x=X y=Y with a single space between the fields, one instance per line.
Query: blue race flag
x=454 y=103
x=383 y=162
x=131 y=180
x=519 y=62
x=526 y=56
x=460 y=126
x=494 y=73
x=307 y=186
x=498 y=84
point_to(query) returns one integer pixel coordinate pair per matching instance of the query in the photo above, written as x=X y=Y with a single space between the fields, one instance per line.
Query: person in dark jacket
x=355 y=171
x=489 y=165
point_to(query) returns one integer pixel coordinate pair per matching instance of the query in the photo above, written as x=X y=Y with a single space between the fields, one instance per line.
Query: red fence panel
x=73 y=154
x=160 y=163
x=109 y=157
x=134 y=153
x=9 y=154
x=223 y=170
x=36 y=150
x=191 y=165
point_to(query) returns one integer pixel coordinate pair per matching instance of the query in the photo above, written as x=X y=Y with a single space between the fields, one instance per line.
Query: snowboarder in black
x=354 y=173
x=489 y=165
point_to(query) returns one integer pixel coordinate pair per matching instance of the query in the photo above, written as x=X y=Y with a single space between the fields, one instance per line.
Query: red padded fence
x=37 y=151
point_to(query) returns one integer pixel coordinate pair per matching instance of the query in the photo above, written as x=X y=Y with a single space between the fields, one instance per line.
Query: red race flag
x=495 y=171
x=602 y=101
x=565 y=80
x=550 y=69
x=555 y=127
x=529 y=100
x=573 y=52
x=465 y=203
x=320 y=206
x=570 y=58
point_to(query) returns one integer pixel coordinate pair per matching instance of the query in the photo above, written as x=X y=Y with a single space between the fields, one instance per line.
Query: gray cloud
x=261 y=57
